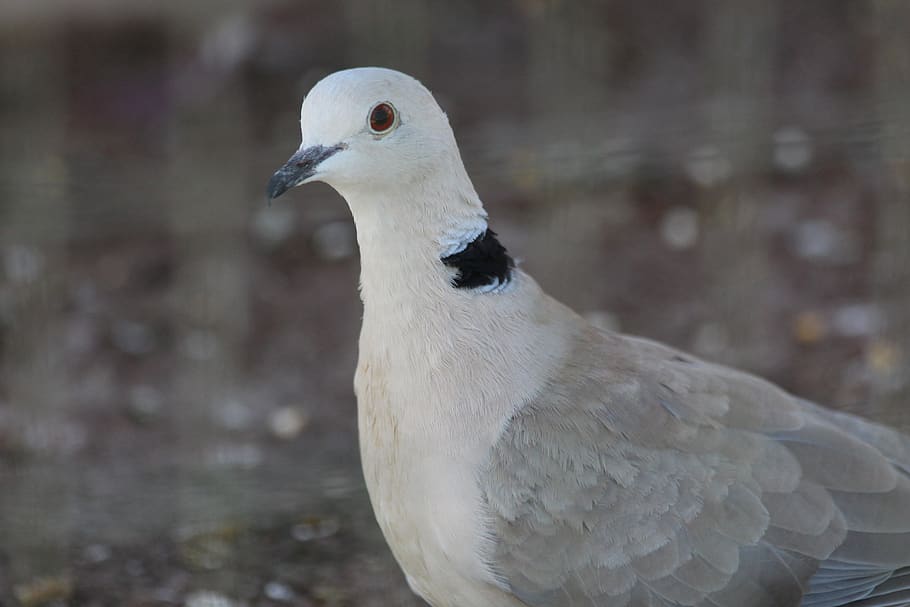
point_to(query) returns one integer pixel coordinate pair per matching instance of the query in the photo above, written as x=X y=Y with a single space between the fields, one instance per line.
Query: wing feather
x=877 y=512
x=643 y=477
x=808 y=509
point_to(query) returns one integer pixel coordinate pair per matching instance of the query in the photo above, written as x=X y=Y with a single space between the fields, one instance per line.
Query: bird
x=515 y=455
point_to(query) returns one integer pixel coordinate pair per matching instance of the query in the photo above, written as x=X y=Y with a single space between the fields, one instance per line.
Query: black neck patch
x=484 y=262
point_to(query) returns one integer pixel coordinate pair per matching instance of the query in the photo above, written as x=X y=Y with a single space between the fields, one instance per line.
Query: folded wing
x=641 y=476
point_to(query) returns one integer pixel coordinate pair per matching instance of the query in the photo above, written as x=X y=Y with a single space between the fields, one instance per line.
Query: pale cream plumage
x=517 y=456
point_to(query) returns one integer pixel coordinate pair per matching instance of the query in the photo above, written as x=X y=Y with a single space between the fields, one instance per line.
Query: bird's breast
x=422 y=488
x=391 y=466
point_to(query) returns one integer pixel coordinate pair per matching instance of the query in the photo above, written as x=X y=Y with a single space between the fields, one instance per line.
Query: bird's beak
x=299 y=167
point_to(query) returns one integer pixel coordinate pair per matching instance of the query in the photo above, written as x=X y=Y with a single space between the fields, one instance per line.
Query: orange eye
x=382 y=117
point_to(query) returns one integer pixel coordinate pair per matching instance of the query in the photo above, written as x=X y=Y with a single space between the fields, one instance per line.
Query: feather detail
x=483 y=263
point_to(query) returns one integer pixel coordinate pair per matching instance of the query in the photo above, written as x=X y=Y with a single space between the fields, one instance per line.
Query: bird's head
x=379 y=138
x=368 y=128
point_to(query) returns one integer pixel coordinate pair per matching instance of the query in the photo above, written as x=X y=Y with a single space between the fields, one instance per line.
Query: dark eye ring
x=382 y=118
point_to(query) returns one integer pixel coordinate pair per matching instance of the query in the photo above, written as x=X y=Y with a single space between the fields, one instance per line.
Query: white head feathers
x=380 y=139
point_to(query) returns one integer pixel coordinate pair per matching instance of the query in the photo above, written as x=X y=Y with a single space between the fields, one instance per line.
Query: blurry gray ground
x=177 y=424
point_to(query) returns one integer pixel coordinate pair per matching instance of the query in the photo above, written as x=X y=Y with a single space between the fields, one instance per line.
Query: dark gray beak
x=301 y=166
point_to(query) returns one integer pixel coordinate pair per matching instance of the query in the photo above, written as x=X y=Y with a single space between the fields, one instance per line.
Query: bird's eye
x=382 y=118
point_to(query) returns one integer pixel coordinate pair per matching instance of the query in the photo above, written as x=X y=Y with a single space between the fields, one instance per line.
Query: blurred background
x=177 y=422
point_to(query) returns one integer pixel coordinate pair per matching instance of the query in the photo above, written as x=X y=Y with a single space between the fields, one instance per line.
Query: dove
x=515 y=455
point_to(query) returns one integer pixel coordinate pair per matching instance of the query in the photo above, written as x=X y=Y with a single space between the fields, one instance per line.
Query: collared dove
x=515 y=455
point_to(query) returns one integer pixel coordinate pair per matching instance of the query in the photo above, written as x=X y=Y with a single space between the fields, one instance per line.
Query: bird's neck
x=427 y=343
x=421 y=242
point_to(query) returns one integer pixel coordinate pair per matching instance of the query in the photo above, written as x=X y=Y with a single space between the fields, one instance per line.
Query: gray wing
x=641 y=476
